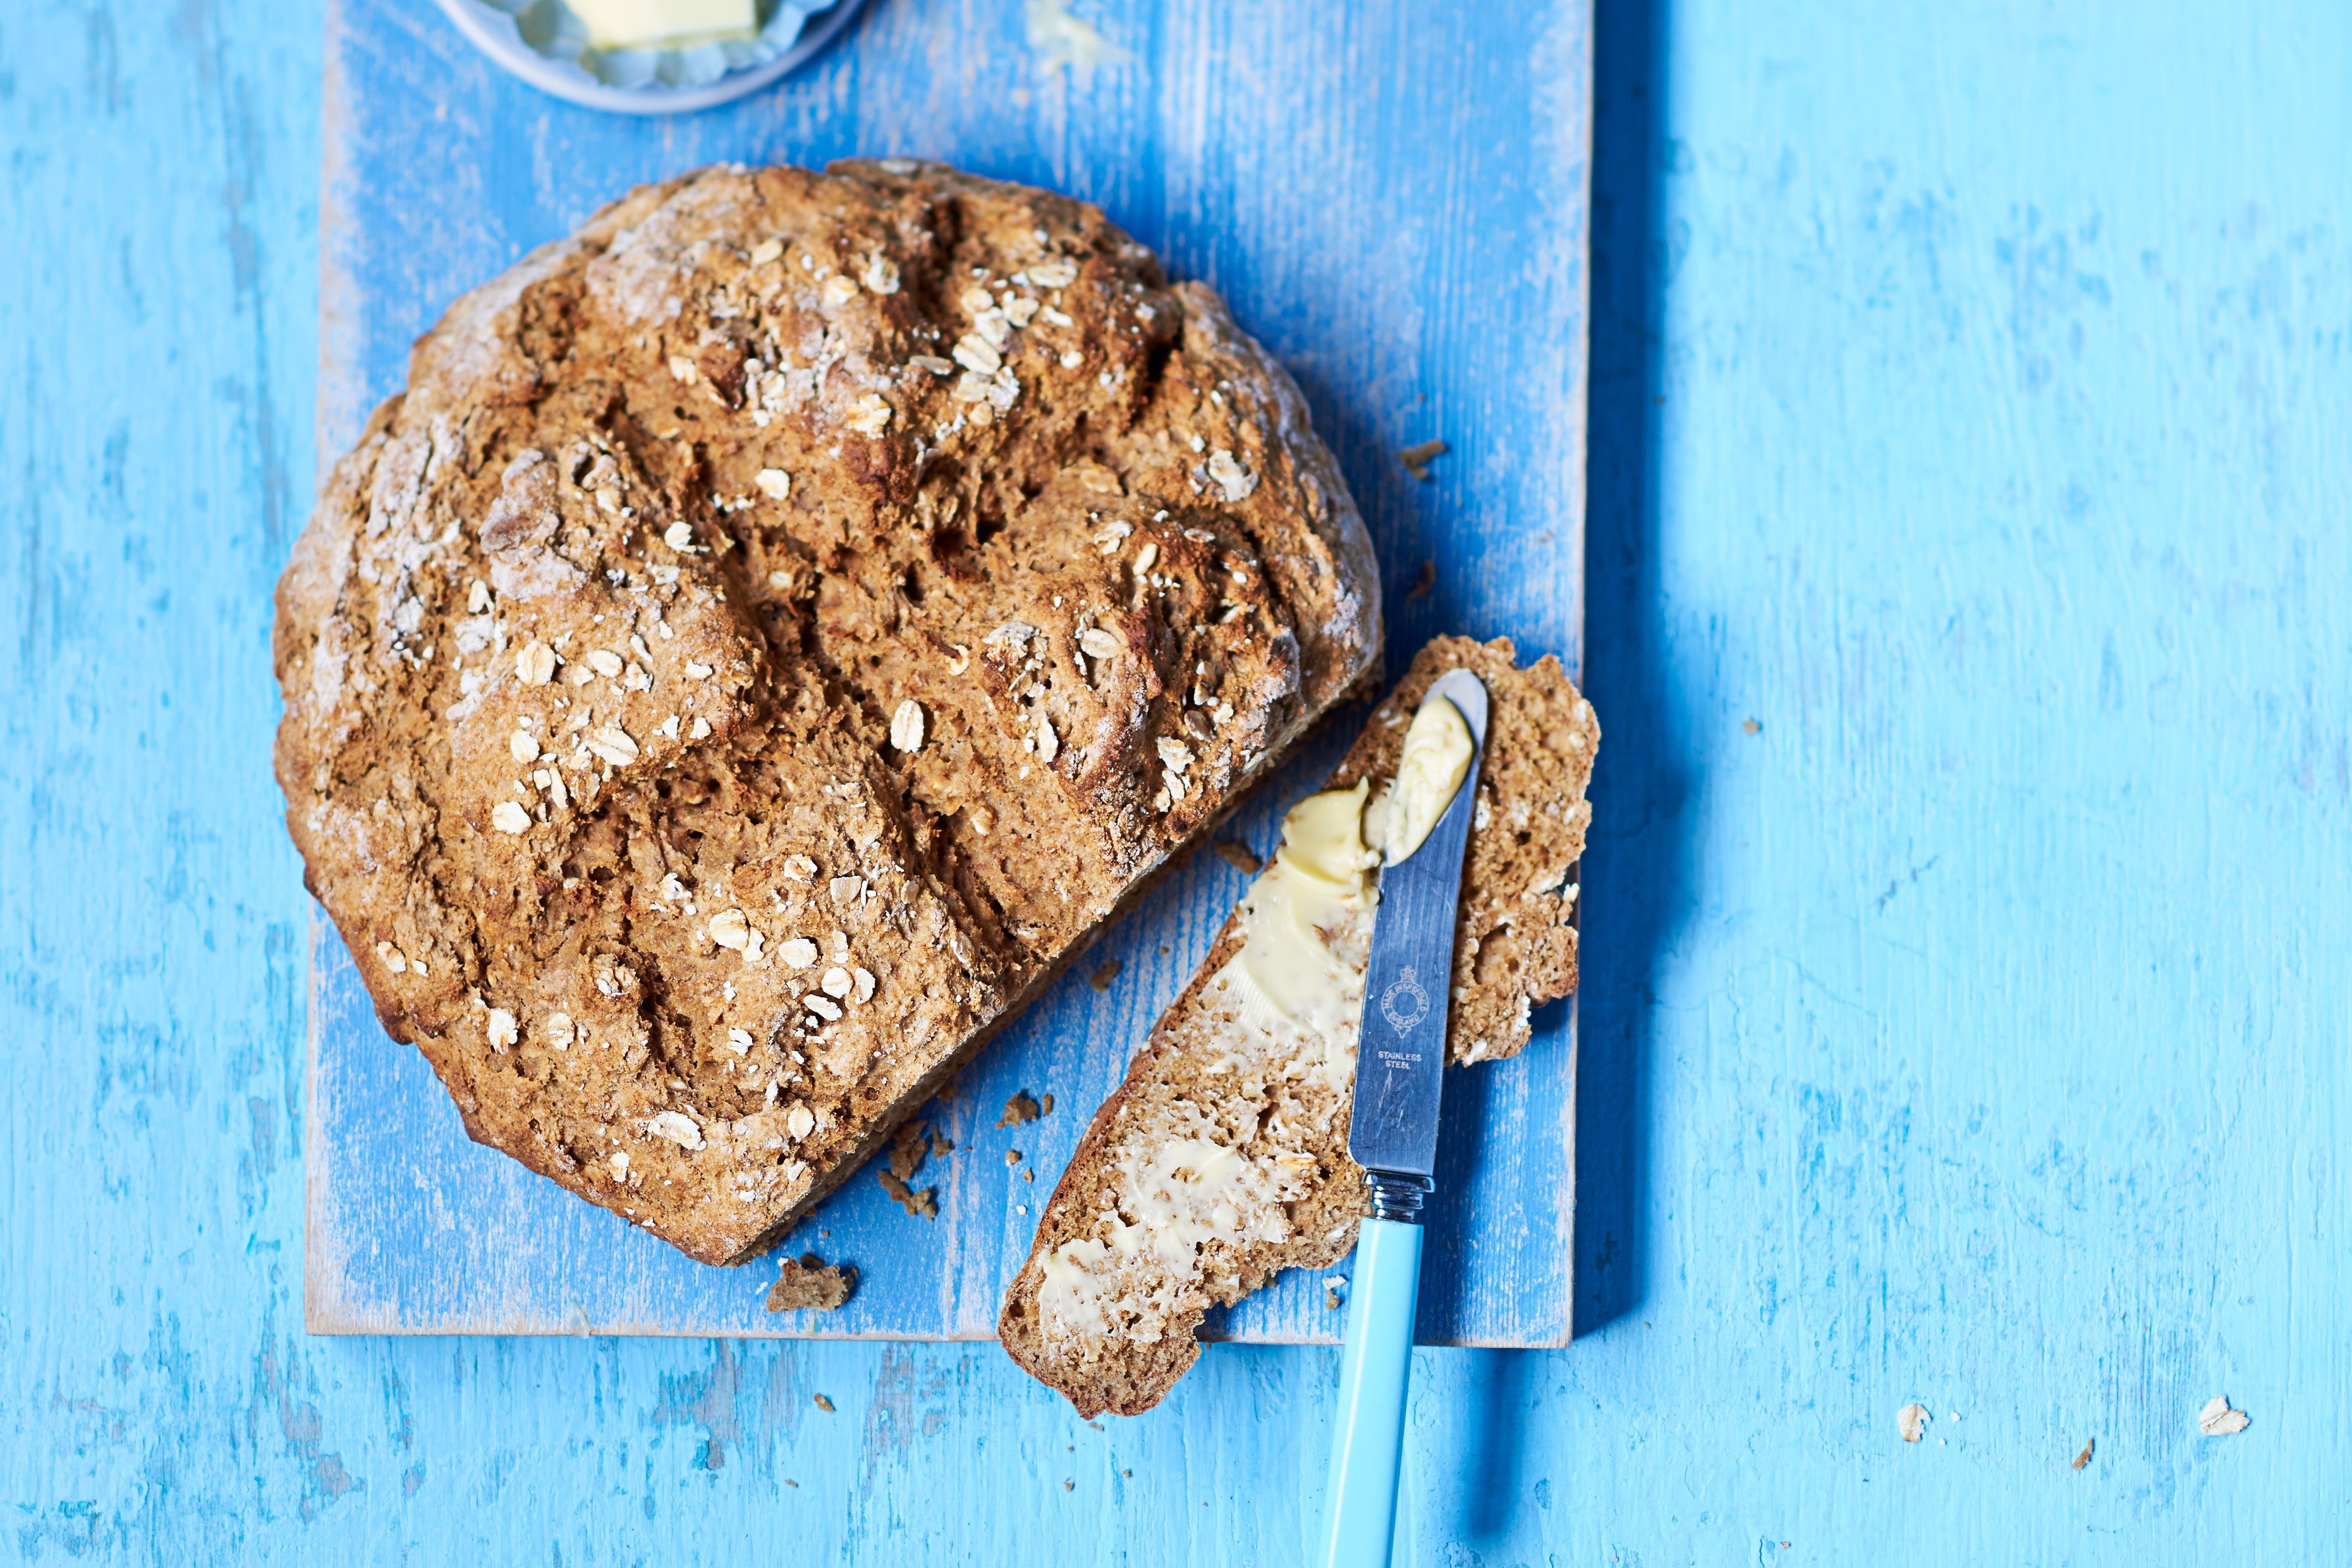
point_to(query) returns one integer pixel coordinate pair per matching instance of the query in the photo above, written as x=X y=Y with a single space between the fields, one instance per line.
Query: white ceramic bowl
x=541 y=42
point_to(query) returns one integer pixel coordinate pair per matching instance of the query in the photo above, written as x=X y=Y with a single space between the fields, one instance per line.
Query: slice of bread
x=773 y=630
x=1223 y=1157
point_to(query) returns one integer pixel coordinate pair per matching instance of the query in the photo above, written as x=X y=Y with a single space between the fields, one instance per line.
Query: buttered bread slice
x=1222 y=1159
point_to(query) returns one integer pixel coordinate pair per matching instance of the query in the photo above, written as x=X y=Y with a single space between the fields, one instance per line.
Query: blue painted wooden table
x=1964 y=1019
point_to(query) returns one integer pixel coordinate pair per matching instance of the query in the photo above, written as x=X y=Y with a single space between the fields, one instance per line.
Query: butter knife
x=1400 y=1073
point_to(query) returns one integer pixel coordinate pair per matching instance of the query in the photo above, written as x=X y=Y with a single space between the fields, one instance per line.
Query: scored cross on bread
x=1222 y=1159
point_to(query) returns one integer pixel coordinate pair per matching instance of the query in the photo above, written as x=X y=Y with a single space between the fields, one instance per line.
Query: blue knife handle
x=1359 y=1514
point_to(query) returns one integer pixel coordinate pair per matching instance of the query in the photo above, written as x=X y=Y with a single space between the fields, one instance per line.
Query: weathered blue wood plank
x=1396 y=202
x=1969 y=395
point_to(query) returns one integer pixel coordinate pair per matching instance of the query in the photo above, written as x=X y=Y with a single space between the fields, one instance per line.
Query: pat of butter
x=1316 y=884
x=1436 y=756
x=652 y=23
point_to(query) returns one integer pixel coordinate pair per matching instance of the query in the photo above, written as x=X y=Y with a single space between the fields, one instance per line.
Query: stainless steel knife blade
x=1400 y=1049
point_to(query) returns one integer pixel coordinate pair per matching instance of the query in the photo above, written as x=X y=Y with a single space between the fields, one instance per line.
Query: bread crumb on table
x=1105 y=973
x=2089 y=1444
x=1425 y=584
x=1020 y=1108
x=822 y=1403
x=1911 y=1421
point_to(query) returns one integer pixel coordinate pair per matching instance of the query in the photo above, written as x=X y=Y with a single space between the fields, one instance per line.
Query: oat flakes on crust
x=774 y=628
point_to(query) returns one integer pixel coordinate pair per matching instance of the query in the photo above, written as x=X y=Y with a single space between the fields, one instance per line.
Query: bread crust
x=599 y=653
x=1516 y=949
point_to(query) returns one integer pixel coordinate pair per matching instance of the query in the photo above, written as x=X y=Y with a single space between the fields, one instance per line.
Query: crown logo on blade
x=1404 y=1003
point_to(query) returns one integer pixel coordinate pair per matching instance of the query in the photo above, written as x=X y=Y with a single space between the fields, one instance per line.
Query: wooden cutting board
x=1394 y=196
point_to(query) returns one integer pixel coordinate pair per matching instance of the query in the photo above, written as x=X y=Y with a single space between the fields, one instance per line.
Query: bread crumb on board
x=1239 y=856
x=1020 y=1108
x=1911 y=1421
x=909 y=1147
x=2218 y=1420
x=2089 y=1444
x=915 y=1142
x=920 y=1203
x=809 y=1284
x=1105 y=973
x=1418 y=458
x=822 y=1403
x=1426 y=583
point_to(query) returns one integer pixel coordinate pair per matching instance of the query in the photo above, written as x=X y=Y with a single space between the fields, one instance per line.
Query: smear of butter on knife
x=1436 y=756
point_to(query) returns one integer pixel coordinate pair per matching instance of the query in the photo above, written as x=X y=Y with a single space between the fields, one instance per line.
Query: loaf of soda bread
x=772 y=630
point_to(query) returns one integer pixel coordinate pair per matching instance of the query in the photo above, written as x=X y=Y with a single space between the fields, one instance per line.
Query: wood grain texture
x=1969 y=390
x=1397 y=207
